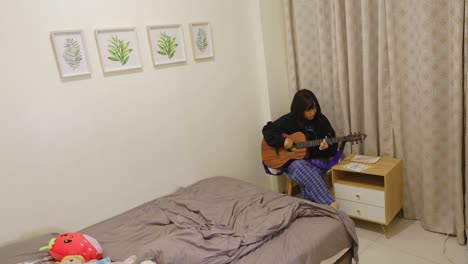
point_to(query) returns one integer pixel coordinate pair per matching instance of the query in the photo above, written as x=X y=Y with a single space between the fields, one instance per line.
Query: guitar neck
x=316 y=142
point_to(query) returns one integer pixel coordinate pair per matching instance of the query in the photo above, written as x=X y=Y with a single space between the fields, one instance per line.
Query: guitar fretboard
x=316 y=142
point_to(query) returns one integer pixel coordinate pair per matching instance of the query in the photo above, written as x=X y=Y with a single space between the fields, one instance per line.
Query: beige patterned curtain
x=465 y=128
x=393 y=70
x=339 y=51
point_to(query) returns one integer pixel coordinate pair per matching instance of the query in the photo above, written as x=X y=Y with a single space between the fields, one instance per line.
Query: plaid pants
x=311 y=181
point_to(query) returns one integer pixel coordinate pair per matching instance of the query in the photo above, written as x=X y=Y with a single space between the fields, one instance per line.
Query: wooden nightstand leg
x=386 y=230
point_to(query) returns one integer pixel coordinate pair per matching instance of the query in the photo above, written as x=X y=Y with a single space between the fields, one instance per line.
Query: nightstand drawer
x=363 y=211
x=360 y=195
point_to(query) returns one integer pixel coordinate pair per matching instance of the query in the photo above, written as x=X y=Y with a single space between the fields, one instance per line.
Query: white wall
x=274 y=40
x=76 y=152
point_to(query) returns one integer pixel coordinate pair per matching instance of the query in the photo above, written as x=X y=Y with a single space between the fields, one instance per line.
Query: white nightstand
x=375 y=194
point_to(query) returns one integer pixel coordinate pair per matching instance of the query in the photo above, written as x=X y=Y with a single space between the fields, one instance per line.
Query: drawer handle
x=358 y=196
x=359 y=211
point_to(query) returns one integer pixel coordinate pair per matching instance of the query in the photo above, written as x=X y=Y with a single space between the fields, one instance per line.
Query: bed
x=218 y=220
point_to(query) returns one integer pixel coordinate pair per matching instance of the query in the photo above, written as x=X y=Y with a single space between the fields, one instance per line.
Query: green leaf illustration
x=119 y=50
x=72 y=53
x=167 y=45
x=202 y=40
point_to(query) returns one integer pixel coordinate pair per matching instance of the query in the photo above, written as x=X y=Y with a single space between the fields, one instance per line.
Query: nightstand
x=375 y=194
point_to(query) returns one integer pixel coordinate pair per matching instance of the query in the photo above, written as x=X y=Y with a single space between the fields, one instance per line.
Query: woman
x=306 y=117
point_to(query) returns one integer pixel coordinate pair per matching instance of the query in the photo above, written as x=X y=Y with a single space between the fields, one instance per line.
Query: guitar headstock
x=355 y=138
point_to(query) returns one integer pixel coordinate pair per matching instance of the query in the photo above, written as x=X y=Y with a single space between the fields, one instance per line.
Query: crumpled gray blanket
x=222 y=220
x=217 y=220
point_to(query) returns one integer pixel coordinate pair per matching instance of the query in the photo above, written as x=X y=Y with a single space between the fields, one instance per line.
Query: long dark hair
x=304 y=100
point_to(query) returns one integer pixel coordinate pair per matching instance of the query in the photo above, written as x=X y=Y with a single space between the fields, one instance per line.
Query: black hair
x=304 y=100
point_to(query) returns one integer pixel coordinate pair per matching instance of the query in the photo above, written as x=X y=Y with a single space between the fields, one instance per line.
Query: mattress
x=246 y=224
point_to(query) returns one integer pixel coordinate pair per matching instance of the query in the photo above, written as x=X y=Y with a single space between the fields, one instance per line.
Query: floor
x=409 y=244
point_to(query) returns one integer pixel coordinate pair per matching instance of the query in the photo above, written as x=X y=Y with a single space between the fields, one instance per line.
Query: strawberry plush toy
x=74 y=244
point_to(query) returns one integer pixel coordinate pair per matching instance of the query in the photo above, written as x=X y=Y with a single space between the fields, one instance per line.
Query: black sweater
x=317 y=128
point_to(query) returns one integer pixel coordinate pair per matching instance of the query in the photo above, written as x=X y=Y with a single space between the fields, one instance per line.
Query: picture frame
x=118 y=49
x=70 y=52
x=167 y=44
x=202 y=40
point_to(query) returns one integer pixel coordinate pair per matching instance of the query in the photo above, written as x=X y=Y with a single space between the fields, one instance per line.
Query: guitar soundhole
x=291 y=149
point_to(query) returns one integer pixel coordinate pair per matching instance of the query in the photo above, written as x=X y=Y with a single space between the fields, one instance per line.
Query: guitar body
x=275 y=158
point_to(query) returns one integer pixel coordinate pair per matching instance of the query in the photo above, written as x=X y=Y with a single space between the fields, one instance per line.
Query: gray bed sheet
x=300 y=241
x=305 y=240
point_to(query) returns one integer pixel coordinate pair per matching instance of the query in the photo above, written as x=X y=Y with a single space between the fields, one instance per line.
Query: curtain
x=393 y=70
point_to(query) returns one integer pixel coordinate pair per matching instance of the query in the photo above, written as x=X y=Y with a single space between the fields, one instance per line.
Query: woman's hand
x=288 y=143
x=324 y=144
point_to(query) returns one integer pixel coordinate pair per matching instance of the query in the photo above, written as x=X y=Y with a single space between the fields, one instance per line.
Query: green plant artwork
x=167 y=45
x=72 y=53
x=119 y=50
x=202 y=41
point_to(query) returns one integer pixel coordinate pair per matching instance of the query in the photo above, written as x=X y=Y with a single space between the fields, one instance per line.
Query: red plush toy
x=74 y=244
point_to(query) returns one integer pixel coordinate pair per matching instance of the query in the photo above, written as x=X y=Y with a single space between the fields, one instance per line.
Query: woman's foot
x=335 y=205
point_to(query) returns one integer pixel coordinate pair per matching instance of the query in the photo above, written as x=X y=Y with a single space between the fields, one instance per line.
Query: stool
x=289 y=185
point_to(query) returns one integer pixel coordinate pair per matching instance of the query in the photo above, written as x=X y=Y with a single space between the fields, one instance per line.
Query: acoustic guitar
x=275 y=158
